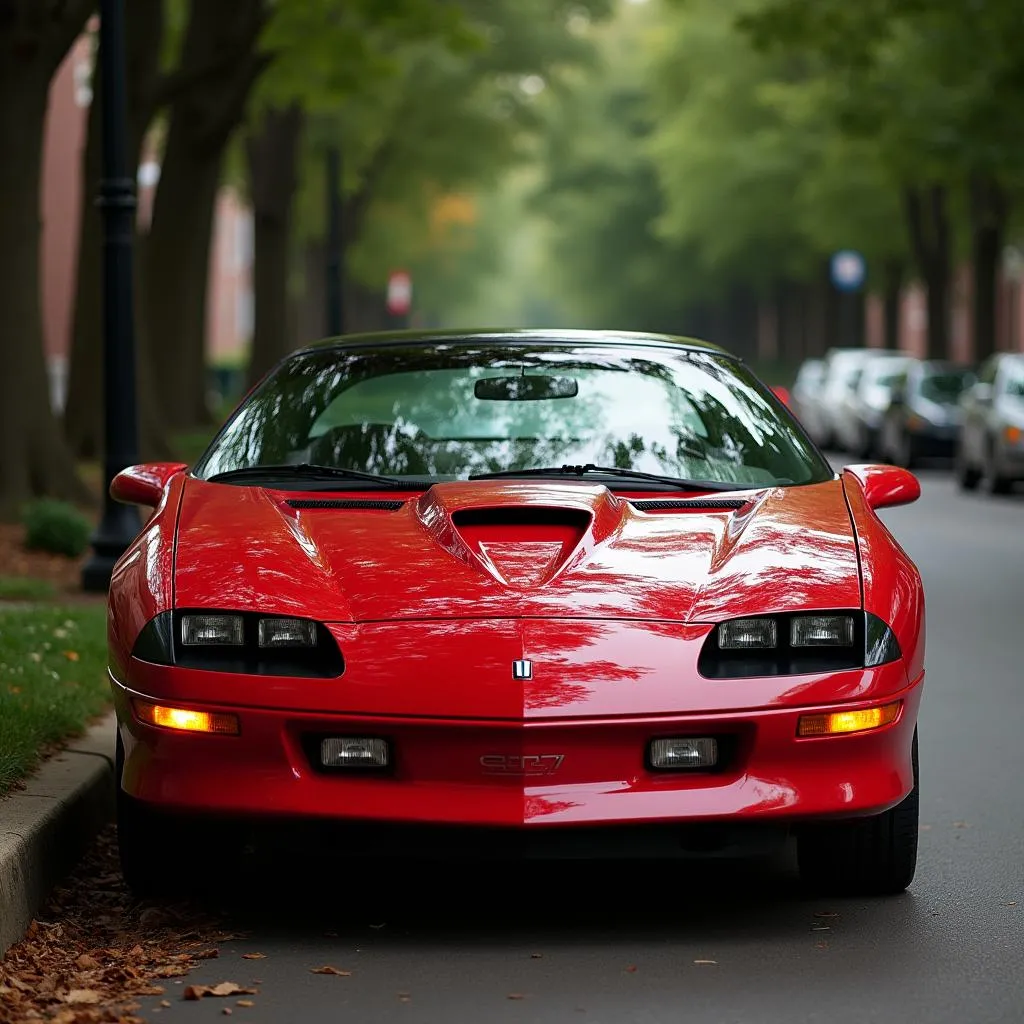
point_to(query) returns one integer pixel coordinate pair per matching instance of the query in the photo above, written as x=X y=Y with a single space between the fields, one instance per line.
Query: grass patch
x=25 y=588
x=52 y=681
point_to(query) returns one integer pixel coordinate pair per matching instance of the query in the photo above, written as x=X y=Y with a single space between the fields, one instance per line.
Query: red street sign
x=399 y=293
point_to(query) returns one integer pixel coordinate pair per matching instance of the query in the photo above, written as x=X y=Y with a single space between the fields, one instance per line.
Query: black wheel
x=995 y=482
x=866 y=857
x=162 y=855
x=906 y=451
x=966 y=475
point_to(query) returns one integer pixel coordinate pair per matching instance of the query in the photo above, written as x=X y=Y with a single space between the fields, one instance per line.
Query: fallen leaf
x=924 y=828
x=821 y=945
x=165 y=1002
x=536 y=956
x=826 y=913
x=254 y=956
x=705 y=961
x=225 y=988
x=327 y=969
x=1012 y=903
x=631 y=969
x=961 y=824
x=227 y=1011
x=82 y=996
x=245 y=1002
x=71 y=655
x=820 y=928
x=516 y=995
x=14 y=689
x=87 y=963
x=404 y=996
x=207 y=954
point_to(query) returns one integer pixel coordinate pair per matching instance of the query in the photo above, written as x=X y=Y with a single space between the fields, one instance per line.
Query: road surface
x=625 y=944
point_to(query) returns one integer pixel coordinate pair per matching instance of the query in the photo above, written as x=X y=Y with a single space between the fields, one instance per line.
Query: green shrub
x=56 y=527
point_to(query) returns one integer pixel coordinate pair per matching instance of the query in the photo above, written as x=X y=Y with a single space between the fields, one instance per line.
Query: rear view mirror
x=144 y=484
x=886 y=486
x=525 y=389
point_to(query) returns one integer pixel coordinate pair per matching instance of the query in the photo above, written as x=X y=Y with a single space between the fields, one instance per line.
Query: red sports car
x=520 y=593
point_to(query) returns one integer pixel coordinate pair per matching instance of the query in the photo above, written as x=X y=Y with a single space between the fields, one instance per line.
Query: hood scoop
x=523 y=546
x=688 y=504
x=383 y=505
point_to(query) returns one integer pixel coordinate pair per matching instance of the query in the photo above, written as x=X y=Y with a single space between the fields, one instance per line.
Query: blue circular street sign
x=848 y=270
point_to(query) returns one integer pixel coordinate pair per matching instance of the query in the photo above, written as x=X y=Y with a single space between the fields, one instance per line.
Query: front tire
x=874 y=856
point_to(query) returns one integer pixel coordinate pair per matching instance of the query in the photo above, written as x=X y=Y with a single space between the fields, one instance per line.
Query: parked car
x=991 y=444
x=514 y=593
x=842 y=373
x=923 y=418
x=805 y=395
x=859 y=413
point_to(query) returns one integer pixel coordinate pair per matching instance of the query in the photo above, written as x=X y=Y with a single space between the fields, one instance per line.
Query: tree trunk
x=34 y=460
x=83 y=415
x=892 y=302
x=931 y=243
x=272 y=152
x=221 y=38
x=311 y=304
x=990 y=211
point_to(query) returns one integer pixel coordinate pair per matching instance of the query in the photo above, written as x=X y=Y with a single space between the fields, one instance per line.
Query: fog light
x=837 y=722
x=741 y=634
x=684 y=753
x=184 y=720
x=354 y=752
x=211 y=629
x=287 y=633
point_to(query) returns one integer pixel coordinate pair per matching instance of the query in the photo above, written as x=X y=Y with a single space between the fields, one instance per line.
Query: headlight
x=821 y=631
x=217 y=630
x=794 y=644
x=744 y=634
x=246 y=642
x=287 y=633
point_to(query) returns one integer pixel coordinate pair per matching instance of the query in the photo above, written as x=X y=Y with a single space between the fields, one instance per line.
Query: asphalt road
x=624 y=943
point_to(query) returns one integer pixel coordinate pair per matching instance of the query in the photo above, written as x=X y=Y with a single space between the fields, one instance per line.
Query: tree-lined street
x=635 y=943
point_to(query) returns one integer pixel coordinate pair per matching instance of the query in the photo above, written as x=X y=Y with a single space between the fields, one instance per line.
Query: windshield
x=420 y=412
x=945 y=388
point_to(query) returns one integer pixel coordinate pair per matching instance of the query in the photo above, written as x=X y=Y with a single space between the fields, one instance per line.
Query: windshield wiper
x=304 y=470
x=629 y=474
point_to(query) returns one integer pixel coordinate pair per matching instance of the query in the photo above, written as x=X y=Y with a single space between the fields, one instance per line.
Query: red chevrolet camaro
x=520 y=593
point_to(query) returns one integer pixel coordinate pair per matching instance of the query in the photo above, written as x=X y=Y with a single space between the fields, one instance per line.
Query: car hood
x=516 y=548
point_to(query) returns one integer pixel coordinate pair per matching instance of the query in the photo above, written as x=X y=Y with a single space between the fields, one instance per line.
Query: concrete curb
x=47 y=826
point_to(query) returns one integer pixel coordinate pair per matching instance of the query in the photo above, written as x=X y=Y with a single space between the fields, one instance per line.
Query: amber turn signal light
x=184 y=720
x=835 y=723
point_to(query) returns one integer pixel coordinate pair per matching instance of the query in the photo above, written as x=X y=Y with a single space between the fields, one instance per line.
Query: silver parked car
x=843 y=367
x=858 y=418
x=805 y=395
x=991 y=447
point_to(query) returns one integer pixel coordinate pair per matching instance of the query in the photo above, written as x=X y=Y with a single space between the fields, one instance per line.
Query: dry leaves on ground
x=331 y=970
x=95 y=952
x=225 y=988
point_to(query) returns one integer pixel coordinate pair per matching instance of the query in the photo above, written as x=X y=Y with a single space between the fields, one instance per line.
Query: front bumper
x=439 y=777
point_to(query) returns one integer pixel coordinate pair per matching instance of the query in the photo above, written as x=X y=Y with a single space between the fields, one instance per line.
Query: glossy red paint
x=601 y=779
x=432 y=603
x=245 y=547
x=885 y=486
x=144 y=484
x=782 y=394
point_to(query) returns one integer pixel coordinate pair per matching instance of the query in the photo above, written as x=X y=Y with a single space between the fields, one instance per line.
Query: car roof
x=554 y=336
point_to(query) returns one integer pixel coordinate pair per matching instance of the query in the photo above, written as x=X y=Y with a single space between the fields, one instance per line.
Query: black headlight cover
x=159 y=643
x=874 y=643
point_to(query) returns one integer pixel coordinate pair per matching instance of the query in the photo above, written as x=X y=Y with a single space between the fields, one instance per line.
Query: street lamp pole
x=120 y=523
x=335 y=263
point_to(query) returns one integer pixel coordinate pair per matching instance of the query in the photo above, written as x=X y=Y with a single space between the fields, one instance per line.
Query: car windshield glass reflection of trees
x=412 y=411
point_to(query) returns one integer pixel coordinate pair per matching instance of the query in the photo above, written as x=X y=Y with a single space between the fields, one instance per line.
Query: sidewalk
x=47 y=826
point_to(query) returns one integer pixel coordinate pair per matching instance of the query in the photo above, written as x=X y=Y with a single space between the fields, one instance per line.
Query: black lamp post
x=335 y=262
x=120 y=523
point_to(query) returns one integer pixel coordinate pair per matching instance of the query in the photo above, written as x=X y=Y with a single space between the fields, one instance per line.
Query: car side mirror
x=144 y=484
x=885 y=486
